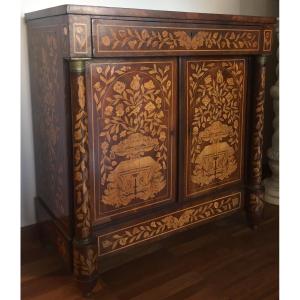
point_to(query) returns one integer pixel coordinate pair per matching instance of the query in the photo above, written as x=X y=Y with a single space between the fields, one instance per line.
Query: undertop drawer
x=127 y=38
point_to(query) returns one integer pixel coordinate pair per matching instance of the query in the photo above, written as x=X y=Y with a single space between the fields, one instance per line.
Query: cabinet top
x=149 y=14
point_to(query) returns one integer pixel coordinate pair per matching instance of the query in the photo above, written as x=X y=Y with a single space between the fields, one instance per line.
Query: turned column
x=84 y=248
x=254 y=204
x=272 y=183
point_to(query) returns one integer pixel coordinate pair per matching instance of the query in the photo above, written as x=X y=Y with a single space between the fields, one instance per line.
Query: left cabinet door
x=132 y=108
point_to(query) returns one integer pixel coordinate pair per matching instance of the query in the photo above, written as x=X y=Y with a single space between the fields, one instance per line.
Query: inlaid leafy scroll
x=134 y=108
x=159 y=226
x=215 y=97
x=147 y=38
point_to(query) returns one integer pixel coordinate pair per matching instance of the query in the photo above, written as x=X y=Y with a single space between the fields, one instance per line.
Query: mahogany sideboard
x=146 y=123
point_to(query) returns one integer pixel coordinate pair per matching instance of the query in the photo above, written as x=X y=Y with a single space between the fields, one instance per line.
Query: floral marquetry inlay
x=215 y=104
x=134 y=109
x=267 y=40
x=80 y=167
x=85 y=261
x=149 y=38
x=48 y=113
x=80 y=38
x=162 y=225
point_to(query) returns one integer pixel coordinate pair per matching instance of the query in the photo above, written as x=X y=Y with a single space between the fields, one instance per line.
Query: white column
x=272 y=183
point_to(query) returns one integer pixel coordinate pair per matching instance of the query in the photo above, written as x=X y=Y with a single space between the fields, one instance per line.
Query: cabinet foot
x=87 y=286
x=85 y=267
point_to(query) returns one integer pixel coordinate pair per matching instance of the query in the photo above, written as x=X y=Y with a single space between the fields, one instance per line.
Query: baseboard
x=29 y=233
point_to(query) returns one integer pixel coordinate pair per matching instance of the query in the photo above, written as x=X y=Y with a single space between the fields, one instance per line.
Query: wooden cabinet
x=145 y=124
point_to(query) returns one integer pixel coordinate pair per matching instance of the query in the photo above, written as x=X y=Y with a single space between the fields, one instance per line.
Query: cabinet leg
x=85 y=267
x=255 y=207
x=87 y=286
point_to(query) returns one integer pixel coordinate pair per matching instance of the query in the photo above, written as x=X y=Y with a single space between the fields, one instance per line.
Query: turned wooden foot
x=85 y=267
x=87 y=286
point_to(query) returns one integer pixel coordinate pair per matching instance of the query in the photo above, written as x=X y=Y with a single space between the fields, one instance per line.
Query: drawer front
x=140 y=38
x=215 y=92
x=132 y=121
x=166 y=224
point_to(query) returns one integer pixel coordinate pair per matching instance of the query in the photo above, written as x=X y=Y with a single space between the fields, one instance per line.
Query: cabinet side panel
x=48 y=45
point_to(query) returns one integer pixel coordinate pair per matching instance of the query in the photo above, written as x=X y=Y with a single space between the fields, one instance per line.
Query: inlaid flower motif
x=106 y=244
x=149 y=85
x=119 y=87
x=206 y=100
x=120 y=110
x=230 y=81
x=229 y=97
x=132 y=44
x=149 y=107
x=236 y=124
x=105 y=40
x=185 y=217
x=123 y=133
x=158 y=102
x=184 y=39
x=108 y=110
x=160 y=114
x=122 y=33
x=209 y=43
x=165 y=33
x=162 y=136
x=207 y=79
x=145 y=34
x=195 y=130
x=123 y=241
x=97 y=86
x=219 y=77
x=135 y=83
x=169 y=221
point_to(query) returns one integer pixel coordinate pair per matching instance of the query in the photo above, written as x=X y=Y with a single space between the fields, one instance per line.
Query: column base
x=271 y=191
x=255 y=208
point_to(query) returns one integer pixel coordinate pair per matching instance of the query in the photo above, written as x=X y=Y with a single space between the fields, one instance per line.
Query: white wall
x=246 y=7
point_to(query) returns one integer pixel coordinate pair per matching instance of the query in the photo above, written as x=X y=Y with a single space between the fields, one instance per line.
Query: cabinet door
x=132 y=132
x=214 y=123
